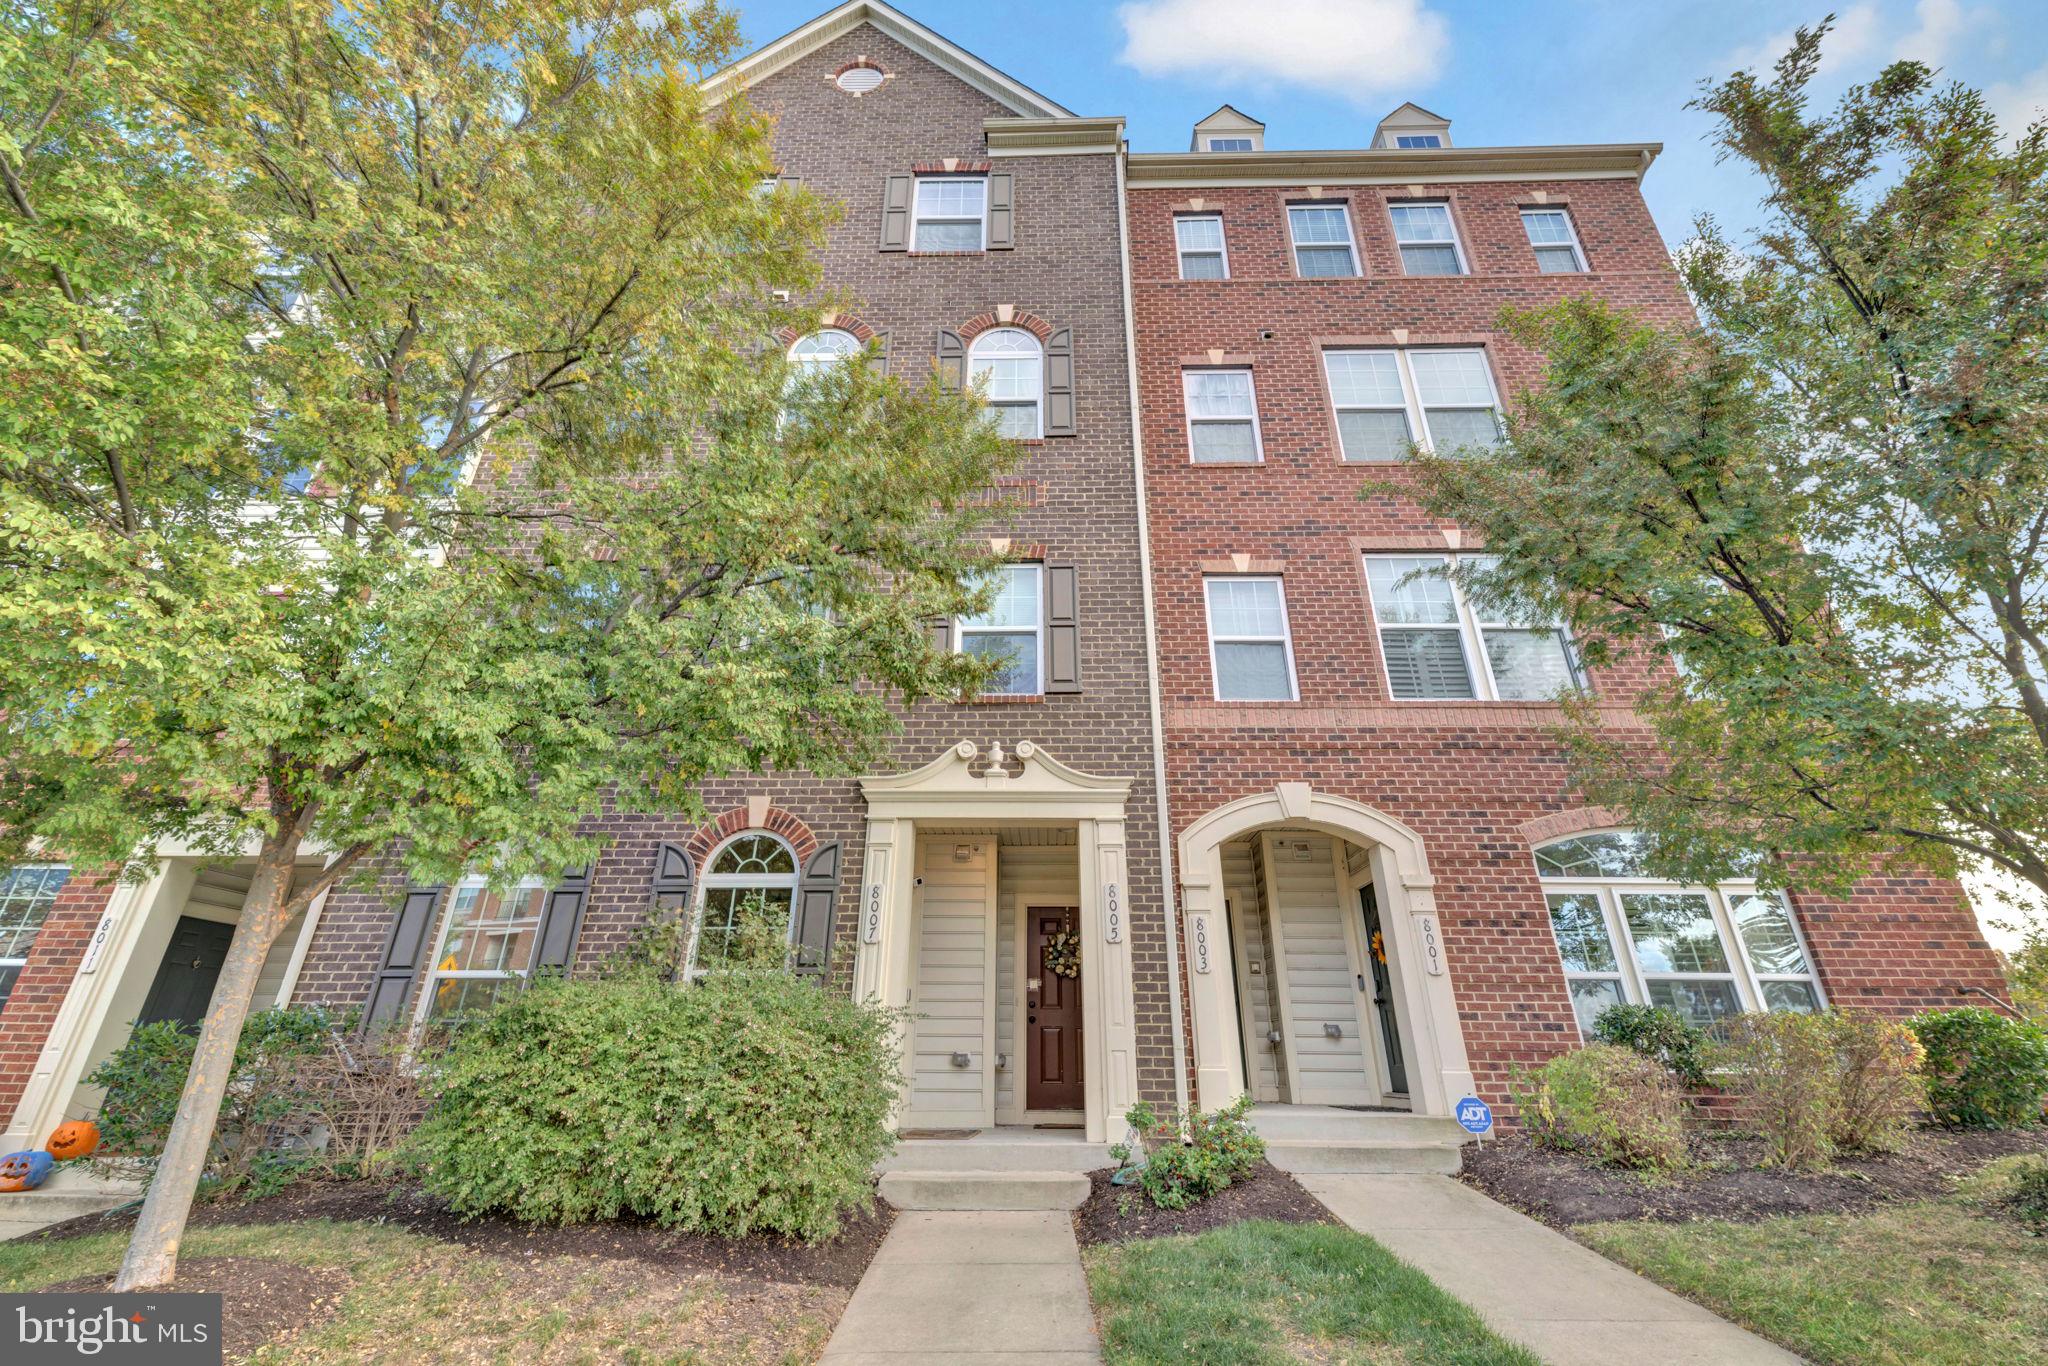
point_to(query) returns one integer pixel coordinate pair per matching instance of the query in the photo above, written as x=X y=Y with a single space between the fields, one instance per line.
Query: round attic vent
x=858 y=80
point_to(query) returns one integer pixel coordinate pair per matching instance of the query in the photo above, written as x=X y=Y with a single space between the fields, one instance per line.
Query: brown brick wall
x=38 y=993
x=1466 y=775
x=1079 y=504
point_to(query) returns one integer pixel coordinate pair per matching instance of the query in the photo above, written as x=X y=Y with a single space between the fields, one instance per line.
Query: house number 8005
x=1112 y=915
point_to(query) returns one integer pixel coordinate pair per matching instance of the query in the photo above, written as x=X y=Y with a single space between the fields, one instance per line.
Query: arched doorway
x=1320 y=1018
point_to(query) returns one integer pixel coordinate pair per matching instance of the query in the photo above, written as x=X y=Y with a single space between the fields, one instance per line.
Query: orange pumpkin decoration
x=74 y=1138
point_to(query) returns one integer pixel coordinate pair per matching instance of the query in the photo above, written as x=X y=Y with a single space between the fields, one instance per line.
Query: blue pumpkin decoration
x=24 y=1171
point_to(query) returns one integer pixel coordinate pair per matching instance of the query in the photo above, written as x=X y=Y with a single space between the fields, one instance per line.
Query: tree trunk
x=153 y=1249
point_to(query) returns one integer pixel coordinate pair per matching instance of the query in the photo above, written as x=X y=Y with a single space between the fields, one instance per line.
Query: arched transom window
x=1014 y=363
x=1704 y=952
x=750 y=879
x=822 y=350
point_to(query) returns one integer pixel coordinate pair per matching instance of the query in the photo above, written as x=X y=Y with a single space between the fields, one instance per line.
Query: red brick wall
x=52 y=962
x=1465 y=775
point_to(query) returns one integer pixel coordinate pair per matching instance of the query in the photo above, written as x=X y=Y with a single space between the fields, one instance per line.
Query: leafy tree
x=392 y=465
x=1828 y=505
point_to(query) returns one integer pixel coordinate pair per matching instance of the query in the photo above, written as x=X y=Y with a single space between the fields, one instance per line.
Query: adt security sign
x=1474 y=1116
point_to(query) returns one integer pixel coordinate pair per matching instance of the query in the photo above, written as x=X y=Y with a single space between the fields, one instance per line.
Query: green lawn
x=1939 y=1283
x=421 y=1299
x=1267 y=1292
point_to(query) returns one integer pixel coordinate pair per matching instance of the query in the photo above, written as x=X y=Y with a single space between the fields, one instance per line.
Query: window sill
x=1004 y=699
x=942 y=255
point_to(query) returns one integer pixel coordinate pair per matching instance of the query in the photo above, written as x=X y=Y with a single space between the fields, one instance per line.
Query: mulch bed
x=838 y=1262
x=262 y=1301
x=1266 y=1194
x=1563 y=1189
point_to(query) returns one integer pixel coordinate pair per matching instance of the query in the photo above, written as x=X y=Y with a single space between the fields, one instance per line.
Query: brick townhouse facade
x=1364 y=881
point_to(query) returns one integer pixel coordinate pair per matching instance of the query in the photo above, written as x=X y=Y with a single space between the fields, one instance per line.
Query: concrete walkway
x=1530 y=1283
x=988 y=1288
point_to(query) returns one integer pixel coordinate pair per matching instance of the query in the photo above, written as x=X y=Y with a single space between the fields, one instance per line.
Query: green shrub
x=1607 y=1101
x=1181 y=1170
x=1658 y=1033
x=2029 y=1199
x=261 y=1141
x=1984 y=1070
x=1878 y=1087
x=1780 y=1068
x=749 y=1101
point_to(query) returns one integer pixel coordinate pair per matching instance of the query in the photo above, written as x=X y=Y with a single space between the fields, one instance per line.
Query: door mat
x=937 y=1133
x=1059 y=1126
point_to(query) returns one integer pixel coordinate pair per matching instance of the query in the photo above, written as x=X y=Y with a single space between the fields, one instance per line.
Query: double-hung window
x=26 y=894
x=951 y=214
x=1387 y=401
x=1322 y=241
x=1199 y=239
x=1704 y=952
x=1011 y=363
x=1250 y=653
x=1427 y=238
x=487 y=945
x=1552 y=239
x=1011 y=631
x=1441 y=643
x=1223 y=417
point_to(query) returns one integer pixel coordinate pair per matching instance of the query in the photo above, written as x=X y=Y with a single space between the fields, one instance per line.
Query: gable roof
x=800 y=42
x=1410 y=107
x=1229 y=116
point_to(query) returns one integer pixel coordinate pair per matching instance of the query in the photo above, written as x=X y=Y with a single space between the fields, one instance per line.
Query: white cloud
x=1941 y=23
x=2019 y=103
x=1362 y=50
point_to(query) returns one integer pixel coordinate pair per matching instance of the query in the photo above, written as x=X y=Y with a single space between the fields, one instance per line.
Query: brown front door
x=1052 y=1019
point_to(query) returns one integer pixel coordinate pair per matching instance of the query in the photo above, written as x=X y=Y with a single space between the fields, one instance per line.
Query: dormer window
x=1228 y=130
x=1418 y=140
x=1230 y=144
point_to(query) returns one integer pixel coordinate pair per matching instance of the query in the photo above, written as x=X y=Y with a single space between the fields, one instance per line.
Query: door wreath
x=1063 y=954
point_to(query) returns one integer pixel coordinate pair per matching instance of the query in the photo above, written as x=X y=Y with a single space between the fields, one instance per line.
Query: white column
x=1212 y=980
x=1439 y=1073
x=1109 y=1073
x=882 y=950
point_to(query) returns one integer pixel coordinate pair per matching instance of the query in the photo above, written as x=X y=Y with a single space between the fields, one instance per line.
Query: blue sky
x=1320 y=73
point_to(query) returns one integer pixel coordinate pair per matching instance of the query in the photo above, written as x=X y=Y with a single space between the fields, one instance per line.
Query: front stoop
x=994 y=1190
x=1323 y=1139
x=66 y=1195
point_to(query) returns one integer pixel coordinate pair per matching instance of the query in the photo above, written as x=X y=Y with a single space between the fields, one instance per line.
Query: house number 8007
x=872 y=931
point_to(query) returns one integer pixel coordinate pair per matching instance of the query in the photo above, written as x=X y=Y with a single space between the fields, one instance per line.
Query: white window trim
x=1189 y=420
x=1608 y=891
x=1215 y=138
x=1180 y=253
x=1037 y=404
x=917 y=200
x=423 y=1008
x=1471 y=637
x=710 y=881
x=1411 y=393
x=1286 y=638
x=1038 y=632
x=1457 y=237
x=1435 y=143
x=1571 y=230
x=1350 y=241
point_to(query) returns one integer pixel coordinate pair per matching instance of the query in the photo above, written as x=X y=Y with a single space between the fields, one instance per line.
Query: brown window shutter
x=794 y=182
x=404 y=952
x=879 y=358
x=1059 y=383
x=941 y=631
x=1062 y=628
x=812 y=941
x=1002 y=214
x=896 y=213
x=674 y=873
x=952 y=359
x=561 y=921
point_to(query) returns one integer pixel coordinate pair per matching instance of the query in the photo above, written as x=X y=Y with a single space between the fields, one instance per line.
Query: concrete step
x=1351 y=1126
x=984 y=1190
x=997 y=1155
x=1393 y=1155
x=49 y=1206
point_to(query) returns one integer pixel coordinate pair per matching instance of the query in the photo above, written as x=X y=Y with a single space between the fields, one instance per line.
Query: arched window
x=1015 y=365
x=1704 y=952
x=823 y=349
x=750 y=879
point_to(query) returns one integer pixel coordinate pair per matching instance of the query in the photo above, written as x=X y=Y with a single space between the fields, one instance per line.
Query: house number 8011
x=1112 y=914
